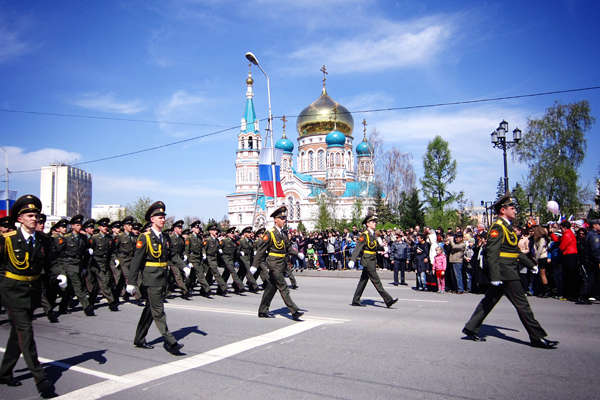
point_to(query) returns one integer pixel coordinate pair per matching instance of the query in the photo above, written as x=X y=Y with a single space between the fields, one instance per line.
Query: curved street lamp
x=499 y=141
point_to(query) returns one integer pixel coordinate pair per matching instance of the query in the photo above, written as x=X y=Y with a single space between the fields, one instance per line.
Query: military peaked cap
x=89 y=223
x=260 y=231
x=115 y=224
x=247 y=229
x=177 y=224
x=25 y=204
x=103 y=222
x=370 y=217
x=6 y=222
x=42 y=219
x=158 y=208
x=127 y=220
x=61 y=223
x=77 y=219
x=504 y=201
x=281 y=212
x=212 y=227
x=231 y=230
x=195 y=224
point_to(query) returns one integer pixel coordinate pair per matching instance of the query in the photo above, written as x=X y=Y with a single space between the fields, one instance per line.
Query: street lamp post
x=499 y=141
x=7 y=198
x=488 y=206
x=252 y=58
x=530 y=200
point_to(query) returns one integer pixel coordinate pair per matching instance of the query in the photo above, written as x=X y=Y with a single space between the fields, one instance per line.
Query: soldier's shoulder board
x=9 y=234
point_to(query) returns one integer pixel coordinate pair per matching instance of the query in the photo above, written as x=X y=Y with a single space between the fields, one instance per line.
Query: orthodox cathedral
x=326 y=166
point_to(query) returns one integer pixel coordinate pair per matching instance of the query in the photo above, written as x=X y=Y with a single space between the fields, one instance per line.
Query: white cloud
x=182 y=107
x=21 y=160
x=381 y=45
x=108 y=103
x=12 y=43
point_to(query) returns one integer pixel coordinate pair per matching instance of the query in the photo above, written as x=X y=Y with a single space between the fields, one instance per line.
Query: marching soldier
x=101 y=247
x=74 y=258
x=122 y=255
x=260 y=270
x=274 y=246
x=25 y=253
x=153 y=253
x=178 y=243
x=245 y=253
x=367 y=248
x=57 y=280
x=193 y=251
x=211 y=249
x=44 y=276
x=88 y=230
x=228 y=252
x=503 y=254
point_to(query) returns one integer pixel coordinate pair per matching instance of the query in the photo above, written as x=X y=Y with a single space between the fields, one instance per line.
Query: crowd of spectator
x=454 y=260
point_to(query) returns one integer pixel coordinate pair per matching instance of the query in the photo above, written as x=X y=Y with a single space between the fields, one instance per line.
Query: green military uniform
x=502 y=257
x=24 y=257
x=53 y=289
x=367 y=248
x=229 y=252
x=124 y=249
x=74 y=259
x=154 y=252
x=274 y=246
x=261 y=270
x=245 y=253
x=193 y=251
x=102 y=248
x=211 y=248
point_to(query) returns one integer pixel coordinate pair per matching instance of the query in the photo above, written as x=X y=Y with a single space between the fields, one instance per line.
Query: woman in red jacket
x=568 y=247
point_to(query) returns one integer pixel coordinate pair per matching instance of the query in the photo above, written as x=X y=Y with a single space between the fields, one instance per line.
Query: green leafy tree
x=301 y=227
x=554 y=147
x=138 y=208
x=357 y=213
x=410 y=210
x=439 y=171
x=521 y=204
x=322 y=215
x=500 y=189
x=382 y=209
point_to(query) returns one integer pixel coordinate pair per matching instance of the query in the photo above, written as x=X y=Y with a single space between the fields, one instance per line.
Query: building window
x=291 y=208
x=250 y=142
x=311 y=163
x=337 y=158
x=298 y=210
x=321 y=160
x=303 y=161
x=239 y=218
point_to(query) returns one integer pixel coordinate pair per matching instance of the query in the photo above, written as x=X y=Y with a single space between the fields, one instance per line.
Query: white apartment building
x=65 y=191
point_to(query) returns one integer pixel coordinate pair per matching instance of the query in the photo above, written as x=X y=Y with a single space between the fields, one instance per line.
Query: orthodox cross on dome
x=324 y=71
x=365 y=127
x=284 y=121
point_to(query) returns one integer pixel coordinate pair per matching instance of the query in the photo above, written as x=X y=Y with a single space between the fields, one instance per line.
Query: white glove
x=254 y=252
x=253 y=270
x=117 y=262
x=62 y=281
x=242 y=253
x=350 y=264
x=496 y=283
x=91 y=251
x=187 y=271
x=204 y=256
x=535 y=270
x=220 y=251
x=184 y=257
x=190 y=265
x=130 y=289
x=301 y=256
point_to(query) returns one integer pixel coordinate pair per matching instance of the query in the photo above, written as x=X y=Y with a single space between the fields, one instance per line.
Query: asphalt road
x=414 y=350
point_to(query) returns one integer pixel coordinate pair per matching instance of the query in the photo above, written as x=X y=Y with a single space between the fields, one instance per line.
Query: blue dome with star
x=285 y=144
x=335 y=139
x=364 y=149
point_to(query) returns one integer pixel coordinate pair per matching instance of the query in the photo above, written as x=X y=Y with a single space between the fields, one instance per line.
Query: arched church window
x=337 y=158
x=239 y=218
x=298 y=210
x=250 y=142
x=311 y=163
x=241 y=144
x=291 y=208
x=321 y=160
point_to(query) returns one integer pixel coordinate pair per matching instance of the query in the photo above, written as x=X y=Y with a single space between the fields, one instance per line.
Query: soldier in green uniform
x=274 y=246
x=57 y=281
x=121 y=257
x=74 y=258
x=24 y=254
x=245 y=253
x=367 y=248
x=211 y=249
x=178 y=243
x=228 y=254
x=153 y=253
x=502 y=257
x=100 y=249
x=86 y=273
x=193 y=252
x=260 y=270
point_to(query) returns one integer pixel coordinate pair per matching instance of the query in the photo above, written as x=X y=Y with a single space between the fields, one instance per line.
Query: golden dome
x=249 y=80
x=319 y=117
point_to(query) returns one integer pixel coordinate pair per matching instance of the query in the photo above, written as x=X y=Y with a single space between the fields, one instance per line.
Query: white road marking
x=87 y=371
x=427 y=301
x=110 y=387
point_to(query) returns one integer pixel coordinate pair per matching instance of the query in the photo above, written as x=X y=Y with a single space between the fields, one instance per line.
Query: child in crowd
x=439 y=266
x=311 y=257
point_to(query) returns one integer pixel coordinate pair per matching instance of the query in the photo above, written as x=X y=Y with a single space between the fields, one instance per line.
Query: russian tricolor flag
x=265 y=171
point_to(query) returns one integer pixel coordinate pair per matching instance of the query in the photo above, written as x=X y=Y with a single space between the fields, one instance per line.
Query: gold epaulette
x=9 y=234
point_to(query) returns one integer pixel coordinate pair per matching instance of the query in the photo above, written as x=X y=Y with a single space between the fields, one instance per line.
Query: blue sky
x=183 y=61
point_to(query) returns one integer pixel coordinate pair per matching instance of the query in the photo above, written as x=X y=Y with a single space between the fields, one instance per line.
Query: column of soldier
x=134 y=260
